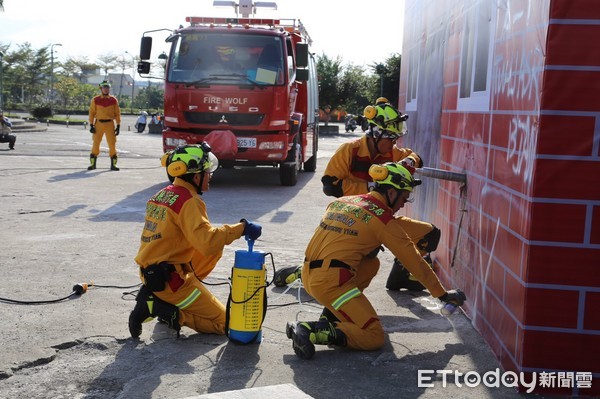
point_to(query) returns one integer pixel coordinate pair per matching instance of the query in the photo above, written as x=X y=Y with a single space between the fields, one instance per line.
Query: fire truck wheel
x=288 y=174
x=311 y=164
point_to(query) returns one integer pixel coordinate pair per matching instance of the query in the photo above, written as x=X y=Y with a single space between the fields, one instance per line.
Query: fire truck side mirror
x=301 y=75
x=143 y=67
x=302 y=55
x=146 y=48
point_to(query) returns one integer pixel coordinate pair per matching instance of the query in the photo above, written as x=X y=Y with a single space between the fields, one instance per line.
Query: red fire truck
x=247 y=86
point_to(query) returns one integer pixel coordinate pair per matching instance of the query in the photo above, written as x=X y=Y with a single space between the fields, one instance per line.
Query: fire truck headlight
x=277 y=123
x=271 y=145
x=172 y=142
x=172 y=119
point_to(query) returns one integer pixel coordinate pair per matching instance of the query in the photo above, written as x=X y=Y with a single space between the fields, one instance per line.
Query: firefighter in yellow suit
x=179 y=247
x=103 y=114
x=339 y=264
x=347 y=173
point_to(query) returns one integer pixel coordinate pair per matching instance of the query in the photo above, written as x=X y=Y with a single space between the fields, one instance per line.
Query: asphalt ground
x=63 y=225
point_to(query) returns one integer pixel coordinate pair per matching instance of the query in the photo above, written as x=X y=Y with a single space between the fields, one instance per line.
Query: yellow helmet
x=393 y=174
x=190 y=159
x=381 y=100
x=385 y=121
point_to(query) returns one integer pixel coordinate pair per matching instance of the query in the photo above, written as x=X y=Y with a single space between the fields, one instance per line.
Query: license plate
x=246 y=142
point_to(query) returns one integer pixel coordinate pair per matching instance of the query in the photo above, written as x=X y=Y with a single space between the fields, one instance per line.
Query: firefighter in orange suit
x=179 y=247
x=104 y=113
x=347 y=173
x=339 y=264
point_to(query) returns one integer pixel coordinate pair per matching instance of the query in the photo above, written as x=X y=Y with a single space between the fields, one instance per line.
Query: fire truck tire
x=288 y=175
x=311 y=164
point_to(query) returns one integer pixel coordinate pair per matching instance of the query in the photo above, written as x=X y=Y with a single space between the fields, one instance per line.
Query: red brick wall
x=527 y=252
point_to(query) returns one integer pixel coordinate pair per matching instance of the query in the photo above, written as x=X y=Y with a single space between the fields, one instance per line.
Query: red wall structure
x=508 y=92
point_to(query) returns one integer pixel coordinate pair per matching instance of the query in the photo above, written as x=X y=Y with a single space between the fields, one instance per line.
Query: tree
x=390 y=72
x=72 y=95
x=79 y=68
x=328 y=71
x=107 y=62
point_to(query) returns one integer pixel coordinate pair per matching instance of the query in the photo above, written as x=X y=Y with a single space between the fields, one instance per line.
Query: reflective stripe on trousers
x=195 y=294
x=345 y=297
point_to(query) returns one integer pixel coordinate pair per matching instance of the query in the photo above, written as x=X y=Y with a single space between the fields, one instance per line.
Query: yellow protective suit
x=104 y=111
x=351 y=161
x=351 y=228
x=177 y=231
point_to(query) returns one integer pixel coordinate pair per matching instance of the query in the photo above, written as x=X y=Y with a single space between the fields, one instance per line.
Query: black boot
x=401 y=278
x=328 y=314
x=141 y=312
x=306 y=334
x=287 y=275
x=148 y=307
x=113 y=163
x=92 y=162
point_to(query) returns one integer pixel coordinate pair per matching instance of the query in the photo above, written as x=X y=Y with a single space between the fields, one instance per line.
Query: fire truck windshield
x=226 y=59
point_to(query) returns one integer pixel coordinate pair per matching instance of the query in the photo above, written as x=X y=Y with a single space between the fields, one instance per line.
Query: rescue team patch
x=349 y=210
x=172 y=197
x=363 y=208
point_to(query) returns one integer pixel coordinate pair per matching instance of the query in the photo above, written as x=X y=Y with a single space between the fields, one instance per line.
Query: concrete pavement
x=63 y=225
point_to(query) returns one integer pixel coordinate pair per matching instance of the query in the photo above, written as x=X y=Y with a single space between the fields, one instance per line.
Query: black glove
x=118 y=130
x=330 y=188
x=92 y=129
x=455 y=296
x=252 y=230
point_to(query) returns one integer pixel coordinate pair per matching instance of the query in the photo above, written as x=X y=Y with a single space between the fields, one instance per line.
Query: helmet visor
x=213 y=163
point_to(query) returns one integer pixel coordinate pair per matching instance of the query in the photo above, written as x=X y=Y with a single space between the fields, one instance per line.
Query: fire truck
x=247 y=86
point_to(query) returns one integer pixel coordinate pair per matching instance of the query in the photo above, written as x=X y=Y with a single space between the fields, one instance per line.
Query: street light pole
x=1 y=78
x=380 y=70
x=51 y=95
x=132 y=81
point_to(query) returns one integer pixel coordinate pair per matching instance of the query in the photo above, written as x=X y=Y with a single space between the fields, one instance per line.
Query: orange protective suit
x=177 y=231
x=352 y=160
x=351 y=228
x=104 y=111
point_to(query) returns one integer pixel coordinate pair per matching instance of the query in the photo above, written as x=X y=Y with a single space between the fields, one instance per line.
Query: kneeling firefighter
x=339 y=264
x=179 y=247
x=347 y=173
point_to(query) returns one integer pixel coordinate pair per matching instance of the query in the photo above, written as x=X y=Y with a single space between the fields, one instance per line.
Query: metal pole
x=51 y=94
x=1 y=78
x=132 y=81
x=442 y=174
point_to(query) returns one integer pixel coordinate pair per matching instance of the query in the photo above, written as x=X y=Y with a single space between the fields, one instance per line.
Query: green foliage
x=351 y=87
x=41 y=112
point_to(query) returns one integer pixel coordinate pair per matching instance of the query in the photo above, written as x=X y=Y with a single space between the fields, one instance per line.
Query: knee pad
x=430 y=241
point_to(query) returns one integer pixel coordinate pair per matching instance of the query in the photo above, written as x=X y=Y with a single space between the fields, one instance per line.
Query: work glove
x=331 y=188
x=118 y=130
x=456 y=297
x=251 y=230
x=92 y=129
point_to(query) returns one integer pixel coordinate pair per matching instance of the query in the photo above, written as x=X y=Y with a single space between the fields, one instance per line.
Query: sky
x=360 y=33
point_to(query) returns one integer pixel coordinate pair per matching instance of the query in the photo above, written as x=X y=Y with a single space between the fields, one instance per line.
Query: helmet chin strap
x=387 y=197
x=199 y=186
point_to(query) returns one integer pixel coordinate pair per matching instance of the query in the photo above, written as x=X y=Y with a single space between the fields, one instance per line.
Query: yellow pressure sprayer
x=247 y=303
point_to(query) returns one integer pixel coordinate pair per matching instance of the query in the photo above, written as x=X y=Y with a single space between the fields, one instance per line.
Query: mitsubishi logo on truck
x=223 y=120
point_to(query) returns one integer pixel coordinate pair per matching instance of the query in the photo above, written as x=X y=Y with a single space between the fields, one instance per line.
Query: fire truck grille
x=211 y=118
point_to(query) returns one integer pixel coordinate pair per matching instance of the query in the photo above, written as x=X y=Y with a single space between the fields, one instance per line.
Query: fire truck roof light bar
x=288 y=24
